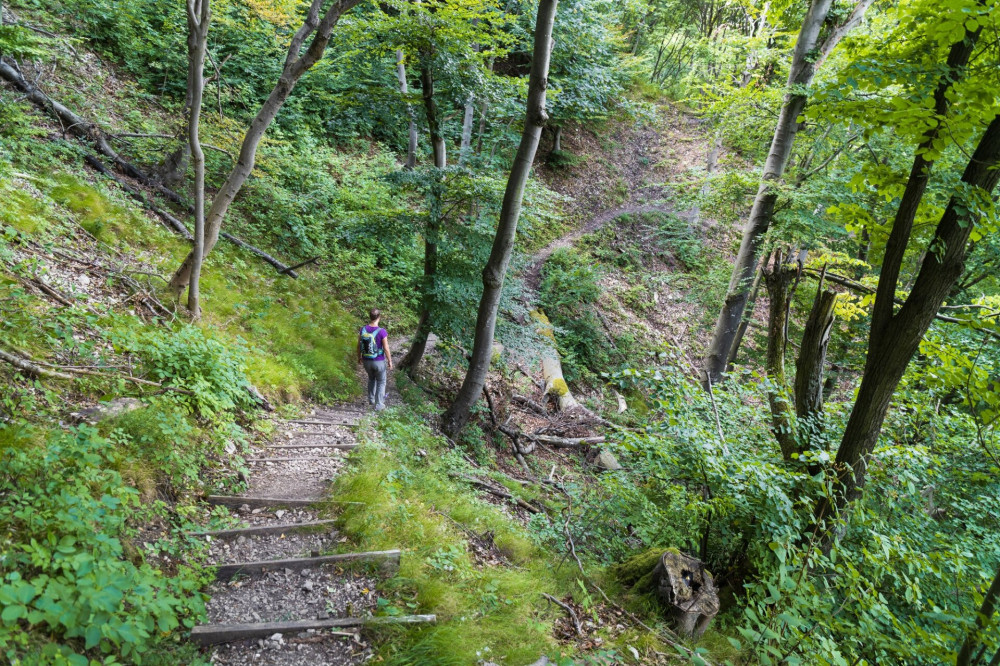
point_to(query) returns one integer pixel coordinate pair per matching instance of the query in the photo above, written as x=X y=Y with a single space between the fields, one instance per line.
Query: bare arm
x=388 y=354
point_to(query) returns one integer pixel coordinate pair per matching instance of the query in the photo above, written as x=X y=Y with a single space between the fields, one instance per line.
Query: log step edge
x=213 y=634
x=227 y=571
x=262 y=529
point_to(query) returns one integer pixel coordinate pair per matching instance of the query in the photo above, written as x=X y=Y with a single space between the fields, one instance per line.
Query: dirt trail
x=533 y=274
x=646 y=158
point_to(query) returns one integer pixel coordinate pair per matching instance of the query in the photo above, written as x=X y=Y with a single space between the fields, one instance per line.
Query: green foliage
x=401 y=477
x=66 y=572
x=189 y=359
x=568 y=293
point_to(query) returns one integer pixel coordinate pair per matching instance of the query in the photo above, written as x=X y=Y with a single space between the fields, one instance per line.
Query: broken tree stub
x=688 y=590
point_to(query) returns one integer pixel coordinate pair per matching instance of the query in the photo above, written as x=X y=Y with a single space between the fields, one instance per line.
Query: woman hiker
x=374 y=354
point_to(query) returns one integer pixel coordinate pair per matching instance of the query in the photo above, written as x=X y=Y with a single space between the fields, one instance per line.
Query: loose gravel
x=258 y=547
x=279 y=596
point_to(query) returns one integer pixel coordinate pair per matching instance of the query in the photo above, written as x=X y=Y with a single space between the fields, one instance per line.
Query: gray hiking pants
x=376 y=383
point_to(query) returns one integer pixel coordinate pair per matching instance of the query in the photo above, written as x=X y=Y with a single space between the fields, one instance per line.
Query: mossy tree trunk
x=503 y=242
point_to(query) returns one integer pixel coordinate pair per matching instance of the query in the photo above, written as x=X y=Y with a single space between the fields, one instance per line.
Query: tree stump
x=688 y=590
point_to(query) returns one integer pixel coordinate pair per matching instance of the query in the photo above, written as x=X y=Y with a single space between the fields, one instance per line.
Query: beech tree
x=809 y=51
x=535 y=117
x=320 y=25
x=895 y=334
x=199 y=15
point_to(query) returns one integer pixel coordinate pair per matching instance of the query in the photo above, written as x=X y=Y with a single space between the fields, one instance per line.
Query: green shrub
x=188 y=359
x=65 y=574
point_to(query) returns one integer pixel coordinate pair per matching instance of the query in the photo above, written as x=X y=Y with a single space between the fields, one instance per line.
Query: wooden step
x=262 y=529
x=235 y=501
x=323 y=423
x=213 y=634
x=313 y=446
x=302 y=458
x=227 y=571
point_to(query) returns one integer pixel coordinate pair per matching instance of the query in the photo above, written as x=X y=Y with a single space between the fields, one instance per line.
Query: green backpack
x=369 y=343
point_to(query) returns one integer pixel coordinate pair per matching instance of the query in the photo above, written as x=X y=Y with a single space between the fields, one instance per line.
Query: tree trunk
x=411 y=148
x=433 y=229
x=503 y=242
x=809 y=365
x=466 y=147
x=745 y=320
x=800 y=76
x=296 y=64
x=894 y=339
x=778 y=278
x=557 y=138
x=984 y=618
x=198 y=17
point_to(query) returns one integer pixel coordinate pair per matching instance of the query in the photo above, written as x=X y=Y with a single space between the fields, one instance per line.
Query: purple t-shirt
x=379 y=337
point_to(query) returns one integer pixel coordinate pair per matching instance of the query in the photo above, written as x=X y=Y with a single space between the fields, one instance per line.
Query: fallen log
x=80 y=127
x=498 y=492
x=555 y=383
x=178 y=226
x=566 y=442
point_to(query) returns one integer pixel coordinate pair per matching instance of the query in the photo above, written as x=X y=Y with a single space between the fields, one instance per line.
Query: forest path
x=533 y=274
x=646 y=160
x=283 y=596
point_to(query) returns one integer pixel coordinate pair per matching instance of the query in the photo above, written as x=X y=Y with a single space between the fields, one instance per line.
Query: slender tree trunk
x=984 y=618
x=800 y=77
x=466 y=147
x=503 y=243
x=778 y=278
x=198 y=16
x=557 y=138
x=296 y=64
x=433 y=228
x=411 y=149
x=893 y=340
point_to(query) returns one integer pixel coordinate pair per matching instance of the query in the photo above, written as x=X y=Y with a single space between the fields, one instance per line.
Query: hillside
x=692 y=313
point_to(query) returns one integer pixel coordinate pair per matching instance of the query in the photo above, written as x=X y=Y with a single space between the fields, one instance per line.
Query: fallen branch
x=80 y=127
x=42 y=369
x=499 y=493
x=282 y=269
x=566 y=442
x=178 y=226
x=528 y=402
x=569 y=610
x=30 y=367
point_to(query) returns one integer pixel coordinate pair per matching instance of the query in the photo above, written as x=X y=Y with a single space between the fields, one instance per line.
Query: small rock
x=257 y=510
x=244 y=508
x=279 y=513
x=308 y=586
x=288 y=572
x=241 y=540
x=304 y=573
x=606 y=460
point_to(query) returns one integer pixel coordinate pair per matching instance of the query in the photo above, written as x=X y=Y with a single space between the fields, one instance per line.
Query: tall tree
x=318 y=24
x=800 y=77
x=535 y=117
x=199 y=14
x=411 y=147
x=895 y=334
x=432 y=229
